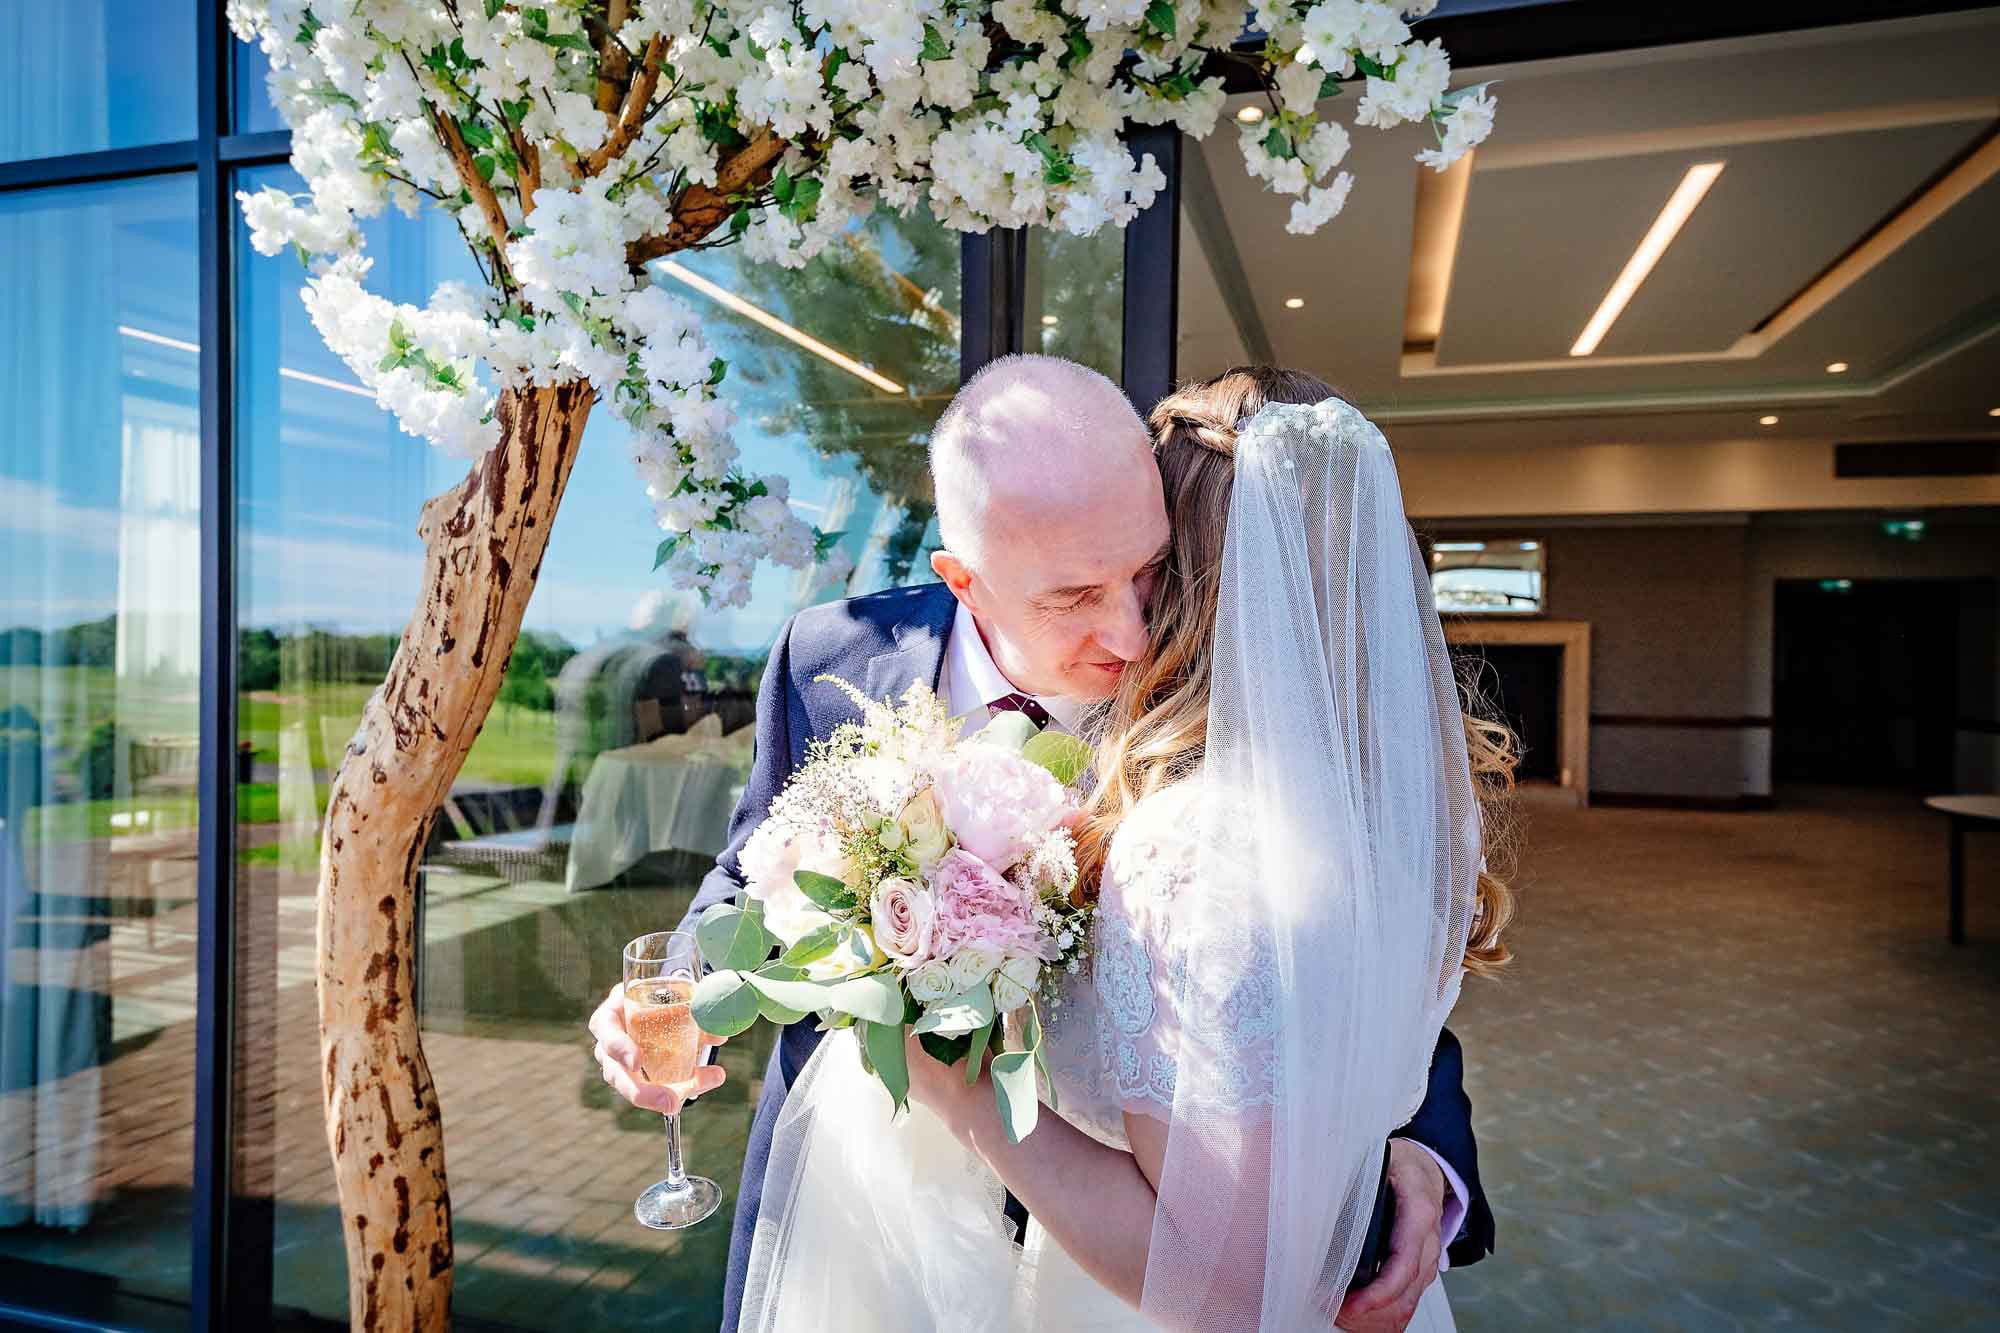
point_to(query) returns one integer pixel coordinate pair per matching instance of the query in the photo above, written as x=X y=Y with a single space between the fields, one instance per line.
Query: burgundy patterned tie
x=1022 y=704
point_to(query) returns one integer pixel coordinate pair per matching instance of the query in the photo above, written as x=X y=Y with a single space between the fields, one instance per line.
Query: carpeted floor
x=1737 y=1078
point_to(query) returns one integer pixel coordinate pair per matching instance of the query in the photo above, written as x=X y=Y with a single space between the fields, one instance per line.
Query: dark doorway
x=1521 y=683
x=1864 y=688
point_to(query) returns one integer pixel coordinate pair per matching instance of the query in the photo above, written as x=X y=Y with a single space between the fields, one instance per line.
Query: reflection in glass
x=100 y=663
x=86 y=75
x=599 y=790
x=253 y=110
x=1487 y=577
x=1076 y=298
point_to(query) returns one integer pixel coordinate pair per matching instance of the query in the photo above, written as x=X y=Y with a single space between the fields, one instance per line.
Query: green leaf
x=967 y=1011
x=1079 y=48
x=782 y=186
x=1014 y=1091
x=773 y=1012
x=945 y=1050
x=884 y=1044
x=724 y=1003
x=493 y=8
x=308 y=29
x=876 y=998
x=1064 y=756
x=718 y=367
x=812 y=946
x=1011 y=730
x=1371 y=68
x=573 y=41
x=665 y=550
x=973 y=1064
x=483 y=164
x=826 y=892
x=1279 y=144
x=739 y=221
x=732 y=938
x=1160 y=17
x=475 y=133
x=1031 y=1027
x=935 y=46
x=1330 y=86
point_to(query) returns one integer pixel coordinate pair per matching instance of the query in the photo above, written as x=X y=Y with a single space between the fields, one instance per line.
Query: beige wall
x=1723 y=476
x=1681 y=621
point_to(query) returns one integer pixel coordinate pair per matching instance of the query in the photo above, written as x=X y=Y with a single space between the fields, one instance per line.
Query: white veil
x=1337 y=867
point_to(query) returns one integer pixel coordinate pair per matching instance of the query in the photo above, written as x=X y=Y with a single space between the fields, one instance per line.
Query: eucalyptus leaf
x=967 y=1011
x=724 y=1003
x=825 y=892
x=884 y=1044
x=1064 y=756
x=731 y=938
x=1010 y=729
x=812 y=946
x=975 y=1051
x=1014 y=1092
x=945 y=1050
x=773 y=1012
x=876 y=998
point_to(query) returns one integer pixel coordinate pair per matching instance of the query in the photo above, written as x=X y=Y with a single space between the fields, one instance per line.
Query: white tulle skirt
x=870 y=1225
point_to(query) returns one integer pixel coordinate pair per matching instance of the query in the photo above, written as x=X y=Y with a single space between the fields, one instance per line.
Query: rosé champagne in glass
x=660 y=972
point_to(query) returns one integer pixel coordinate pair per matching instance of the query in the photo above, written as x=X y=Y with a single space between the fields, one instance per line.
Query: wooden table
x=1965 y=812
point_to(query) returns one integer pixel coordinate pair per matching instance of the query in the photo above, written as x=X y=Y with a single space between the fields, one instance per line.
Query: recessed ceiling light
x=1295 y=302
x=1993 y=411
x=1767 y=421
x=1680 y=206
x=1050 y=320
x=1250 y=115
x=1836 y=367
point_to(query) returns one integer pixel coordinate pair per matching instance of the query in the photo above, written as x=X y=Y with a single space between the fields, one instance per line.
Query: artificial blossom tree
x=578 y=141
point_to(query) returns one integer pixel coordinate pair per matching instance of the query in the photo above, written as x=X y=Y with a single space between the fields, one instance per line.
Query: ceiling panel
x=1542 y=245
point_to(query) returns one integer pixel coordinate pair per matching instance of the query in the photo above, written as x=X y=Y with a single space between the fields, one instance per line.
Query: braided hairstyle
x=1155 y=728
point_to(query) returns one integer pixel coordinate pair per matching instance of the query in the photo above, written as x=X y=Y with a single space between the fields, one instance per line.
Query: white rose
x=1015 y=982
x=924 y=833
x=972 y=965
x=902 y=913
x=931 y=983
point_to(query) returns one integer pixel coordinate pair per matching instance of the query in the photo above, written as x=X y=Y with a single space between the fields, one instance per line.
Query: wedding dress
x=1278 y=941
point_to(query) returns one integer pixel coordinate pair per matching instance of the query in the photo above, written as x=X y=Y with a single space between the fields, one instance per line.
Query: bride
x=1284 y=844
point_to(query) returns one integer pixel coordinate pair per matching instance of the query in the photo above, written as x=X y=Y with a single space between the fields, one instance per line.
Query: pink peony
x=996 y=803
x=978 y=906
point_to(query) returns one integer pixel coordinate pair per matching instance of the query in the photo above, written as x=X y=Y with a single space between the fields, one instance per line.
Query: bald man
x=1053 y=527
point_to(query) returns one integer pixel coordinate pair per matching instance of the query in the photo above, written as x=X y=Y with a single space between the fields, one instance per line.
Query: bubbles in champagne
x=658 y=1016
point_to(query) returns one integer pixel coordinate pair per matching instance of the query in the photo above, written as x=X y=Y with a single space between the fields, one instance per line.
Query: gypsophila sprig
x=910 y=880
x=572 y=155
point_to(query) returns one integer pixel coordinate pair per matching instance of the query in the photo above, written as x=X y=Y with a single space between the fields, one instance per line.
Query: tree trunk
x=483 y=542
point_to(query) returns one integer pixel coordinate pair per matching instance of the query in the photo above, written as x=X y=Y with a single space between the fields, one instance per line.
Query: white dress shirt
x=972 y=681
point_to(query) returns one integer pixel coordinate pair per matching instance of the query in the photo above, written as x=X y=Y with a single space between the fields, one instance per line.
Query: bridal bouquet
x=910 y=879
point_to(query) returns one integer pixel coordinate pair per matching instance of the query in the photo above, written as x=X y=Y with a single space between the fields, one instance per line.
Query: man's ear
x=957 y=575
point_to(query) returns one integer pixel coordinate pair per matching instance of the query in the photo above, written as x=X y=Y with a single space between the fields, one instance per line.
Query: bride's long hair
x=1156 y=725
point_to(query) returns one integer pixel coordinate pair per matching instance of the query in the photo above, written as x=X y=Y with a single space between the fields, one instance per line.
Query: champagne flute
x=660 y=973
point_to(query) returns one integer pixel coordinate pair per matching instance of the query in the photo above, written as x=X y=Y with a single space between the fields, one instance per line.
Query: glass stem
x=676 y=1175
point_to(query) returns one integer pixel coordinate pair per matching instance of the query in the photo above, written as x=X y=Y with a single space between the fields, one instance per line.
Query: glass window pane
x=1487 y=577
x=100 y=658
x=87 y=75
x=1076 y=298
x=600 y=789
x=253 y=110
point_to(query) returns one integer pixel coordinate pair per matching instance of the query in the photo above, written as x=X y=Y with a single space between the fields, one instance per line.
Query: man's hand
x=618 y=1057
x=1386 y=1304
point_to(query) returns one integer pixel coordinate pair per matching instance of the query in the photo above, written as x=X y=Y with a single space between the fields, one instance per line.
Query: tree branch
x=476 y=184
x=701 y=208
x=614 y=62
x=634 y=117
x=529 y=178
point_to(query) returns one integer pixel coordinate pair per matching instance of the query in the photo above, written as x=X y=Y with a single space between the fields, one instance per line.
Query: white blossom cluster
x=571 y=154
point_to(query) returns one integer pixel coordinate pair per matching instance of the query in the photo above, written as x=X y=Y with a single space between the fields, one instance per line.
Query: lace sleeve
x=1164 y=999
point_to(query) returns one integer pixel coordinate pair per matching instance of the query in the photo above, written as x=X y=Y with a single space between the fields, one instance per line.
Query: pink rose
x=978 y=906
x=903 y=914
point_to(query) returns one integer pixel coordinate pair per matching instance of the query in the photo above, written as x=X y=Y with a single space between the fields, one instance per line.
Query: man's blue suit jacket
x=882 y=642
